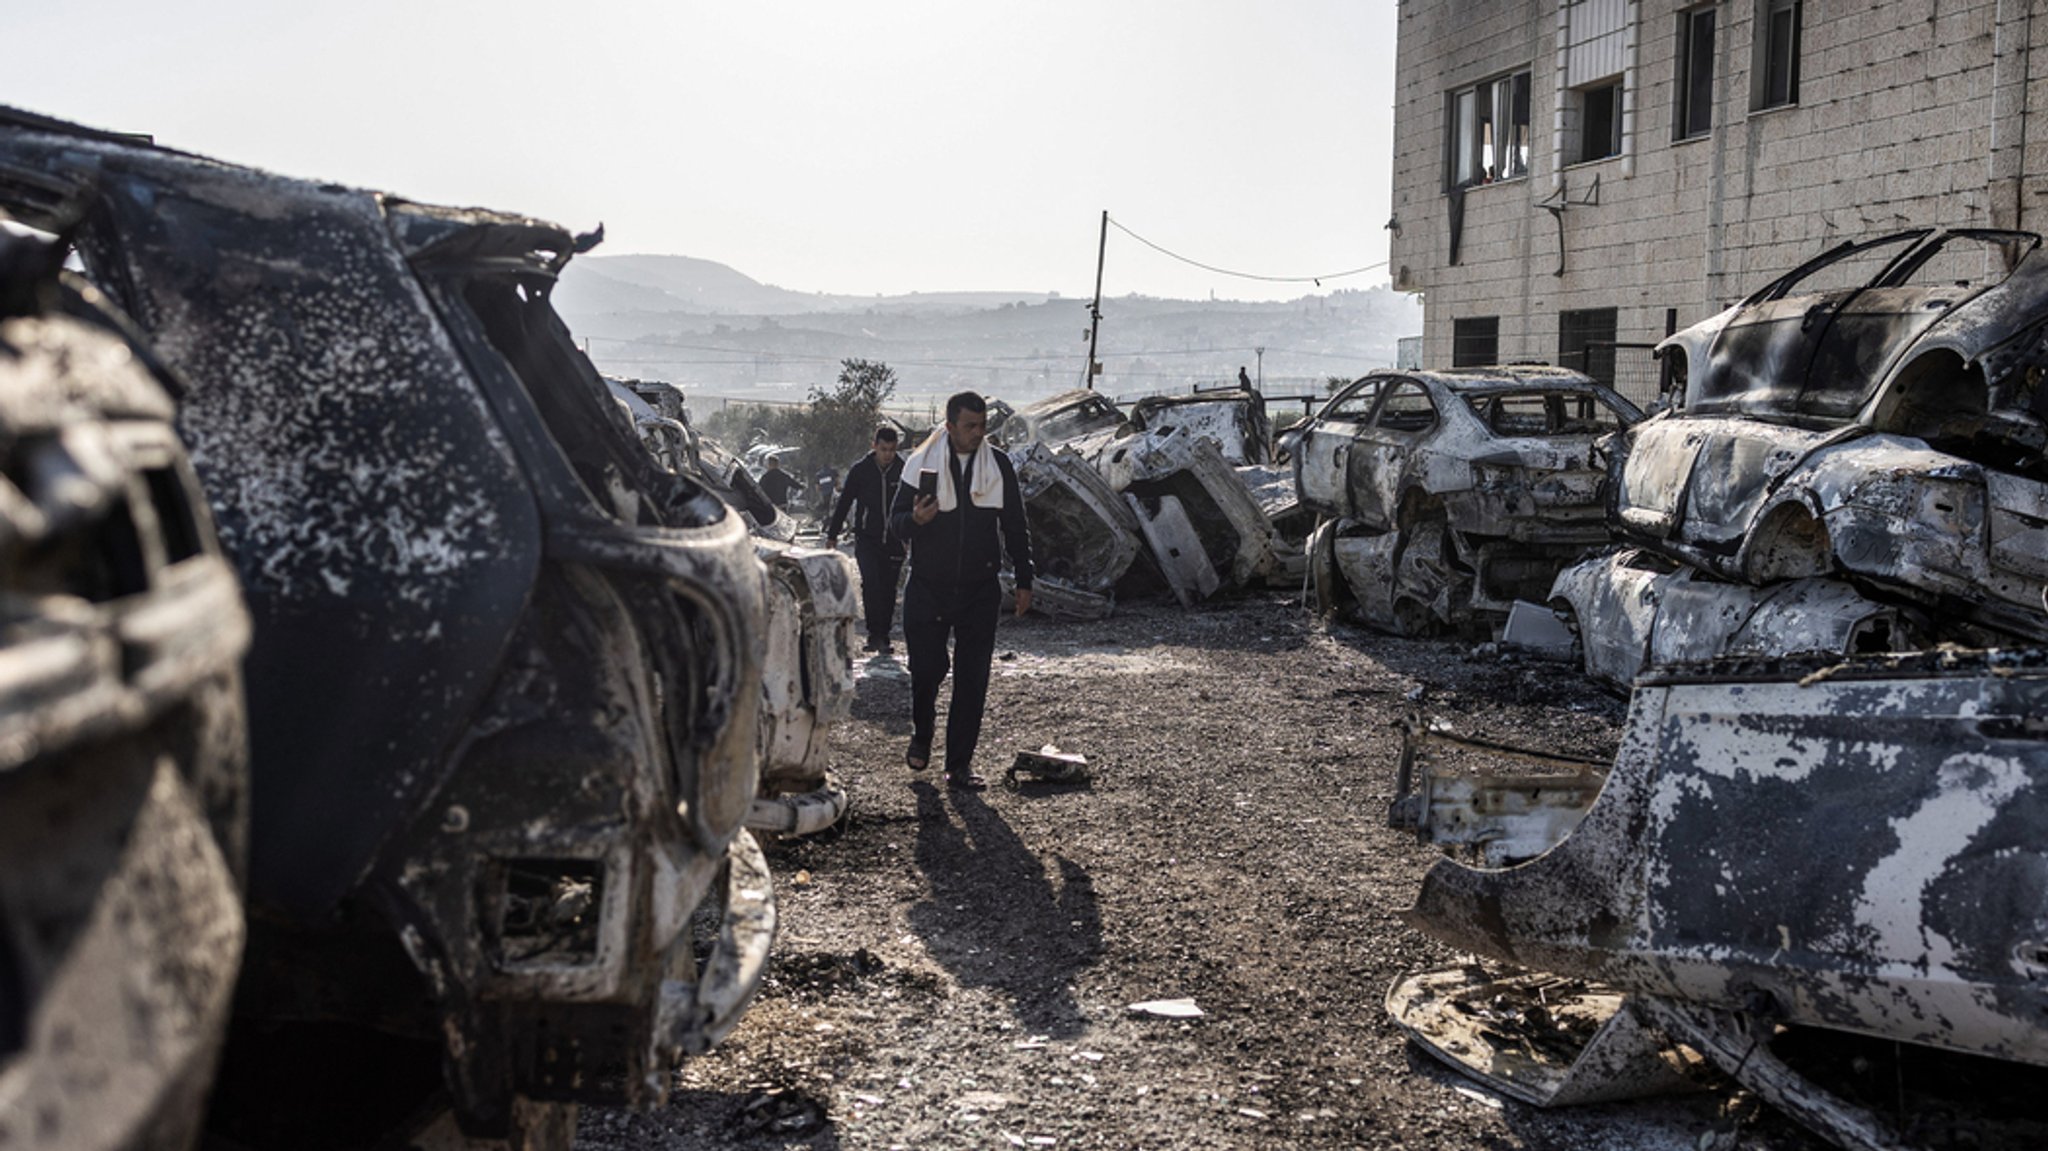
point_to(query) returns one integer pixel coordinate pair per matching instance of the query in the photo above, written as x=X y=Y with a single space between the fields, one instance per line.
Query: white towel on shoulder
x=984 y=484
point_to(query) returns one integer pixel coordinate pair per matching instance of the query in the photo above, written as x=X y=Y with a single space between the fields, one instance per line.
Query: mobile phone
x=928 y=483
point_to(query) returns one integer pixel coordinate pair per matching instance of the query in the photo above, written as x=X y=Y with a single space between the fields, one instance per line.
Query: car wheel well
x=1933 y=391
x=1789 y=542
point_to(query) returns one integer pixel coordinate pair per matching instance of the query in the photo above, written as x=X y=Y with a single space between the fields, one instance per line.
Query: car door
x=1322 y=459
x=1391 y=450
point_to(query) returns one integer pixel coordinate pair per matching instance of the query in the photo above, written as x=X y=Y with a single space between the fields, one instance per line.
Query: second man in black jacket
x=871 y=489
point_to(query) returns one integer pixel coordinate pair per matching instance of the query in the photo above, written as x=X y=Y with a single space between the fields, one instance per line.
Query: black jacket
x=960 y=548
x=868 y=485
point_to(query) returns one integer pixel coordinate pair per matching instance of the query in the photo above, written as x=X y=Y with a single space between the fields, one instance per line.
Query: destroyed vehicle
x=1084 y=534
x=813 y=600
x=1788 y=857
x=1059 y=418
x=1459 y=491
x=1234 y=419
x=1877 y=412
x=1634 y=609
x=505 y=670
x=123 y=745
x=656 y=409
x=1204 y=530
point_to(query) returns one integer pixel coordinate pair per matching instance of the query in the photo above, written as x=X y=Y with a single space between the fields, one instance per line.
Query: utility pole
x=1261 y=354
x=1095 y=309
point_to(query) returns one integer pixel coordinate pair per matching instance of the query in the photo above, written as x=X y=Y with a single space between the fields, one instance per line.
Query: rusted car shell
x=123 y=744
x=1854 y=845
x=1058 y=418
x=1632 y=609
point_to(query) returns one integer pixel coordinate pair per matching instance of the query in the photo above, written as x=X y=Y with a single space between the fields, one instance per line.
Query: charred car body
x=1634 y=609
x=504 y=675
x=813 y=599
x=1782 y=849
x=1235 y=419
x=1453 y=492
x=123 y=747
x=1877 y=412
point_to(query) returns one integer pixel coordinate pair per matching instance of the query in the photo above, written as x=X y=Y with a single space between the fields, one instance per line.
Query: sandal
x=918 y=757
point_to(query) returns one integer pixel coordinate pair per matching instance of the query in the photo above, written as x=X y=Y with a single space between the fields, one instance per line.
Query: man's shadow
x=994 y=918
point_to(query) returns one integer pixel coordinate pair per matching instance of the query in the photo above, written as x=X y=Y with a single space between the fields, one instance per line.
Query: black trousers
x=931 y=613
x=879 y=571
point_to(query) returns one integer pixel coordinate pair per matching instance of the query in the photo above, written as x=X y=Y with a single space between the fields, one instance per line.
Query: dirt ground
x=957 y=969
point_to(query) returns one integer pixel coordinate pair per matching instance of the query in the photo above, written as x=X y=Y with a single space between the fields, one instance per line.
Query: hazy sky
x=843 y=146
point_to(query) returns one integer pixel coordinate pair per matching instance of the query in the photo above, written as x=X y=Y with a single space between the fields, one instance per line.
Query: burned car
x=1058 y=418
x=505 y=670
x=1234 y=419
x=1457 y=491
x=1823 y=877
x=123 y=745
x=1635 y=608
x=1877 y=412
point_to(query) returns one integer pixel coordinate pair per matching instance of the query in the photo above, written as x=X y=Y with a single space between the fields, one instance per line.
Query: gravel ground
x=957 y=969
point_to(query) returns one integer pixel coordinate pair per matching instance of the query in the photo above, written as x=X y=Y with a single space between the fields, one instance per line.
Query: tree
x=841 y=421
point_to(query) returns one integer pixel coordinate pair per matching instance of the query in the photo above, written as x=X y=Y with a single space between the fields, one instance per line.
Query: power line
x=1316 y=280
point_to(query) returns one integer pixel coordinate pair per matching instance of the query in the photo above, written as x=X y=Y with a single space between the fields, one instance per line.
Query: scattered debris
x=1169 y=1008
x=1047 y=765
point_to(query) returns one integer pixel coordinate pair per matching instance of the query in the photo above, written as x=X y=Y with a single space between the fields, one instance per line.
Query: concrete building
x=1573 y=172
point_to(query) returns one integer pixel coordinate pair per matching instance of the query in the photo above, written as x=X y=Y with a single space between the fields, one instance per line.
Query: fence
x=1627 y=368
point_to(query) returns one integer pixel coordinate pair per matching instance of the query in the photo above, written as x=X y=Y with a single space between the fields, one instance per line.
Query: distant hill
x=597 y=285
x=719 y=332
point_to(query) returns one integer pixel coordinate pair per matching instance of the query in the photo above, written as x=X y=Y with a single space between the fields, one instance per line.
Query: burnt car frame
x=123 y=742
x=1479 y=476
x=1877 y=412
x=505 y=669
x=1786 y=850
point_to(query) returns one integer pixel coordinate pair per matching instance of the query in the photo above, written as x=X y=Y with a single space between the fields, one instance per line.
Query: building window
x=1694 y=107
x=1774 y=72
x=1489 y=132
x=1475 y=342
x=1597 y=115
x=1585 y=342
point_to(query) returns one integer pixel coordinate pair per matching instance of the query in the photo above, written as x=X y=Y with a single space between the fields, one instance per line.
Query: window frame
x=1474 y=114
x=1581 y=136
x=1461 y=341
x=1768 y=75
x=1692 y=109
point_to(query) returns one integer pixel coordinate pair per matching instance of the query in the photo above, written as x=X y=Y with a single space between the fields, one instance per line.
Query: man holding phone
x=965 y=511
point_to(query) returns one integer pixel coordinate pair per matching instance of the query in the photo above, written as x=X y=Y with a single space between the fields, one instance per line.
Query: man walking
x=777 y=483
x=871 y=488
x=955 y=556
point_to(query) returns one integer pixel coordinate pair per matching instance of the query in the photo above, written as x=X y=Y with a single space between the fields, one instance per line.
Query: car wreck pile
x=1819 y=862
x=1168 y=498
x=513 y=690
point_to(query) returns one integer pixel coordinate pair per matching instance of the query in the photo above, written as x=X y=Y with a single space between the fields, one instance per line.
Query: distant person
x=777 y=483
x=1244 y=379
x=827 y=484
x=871 y=487
x=957 y=537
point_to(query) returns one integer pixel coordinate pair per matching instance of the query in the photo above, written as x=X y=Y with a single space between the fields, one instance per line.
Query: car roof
x=1496 y=378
